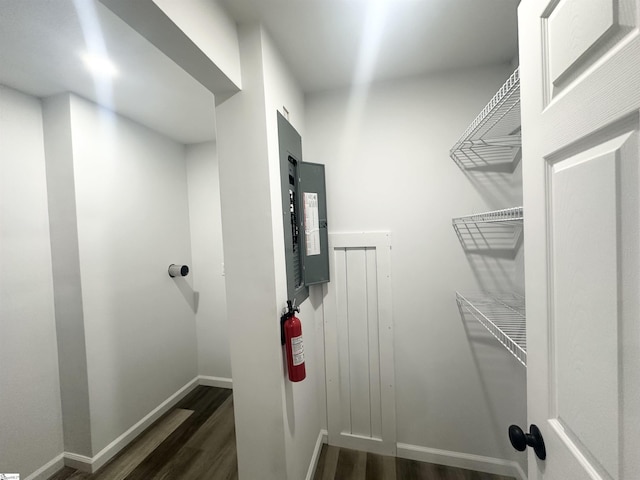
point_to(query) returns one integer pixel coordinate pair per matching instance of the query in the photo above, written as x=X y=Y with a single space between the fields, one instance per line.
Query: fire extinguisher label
x=297 y=350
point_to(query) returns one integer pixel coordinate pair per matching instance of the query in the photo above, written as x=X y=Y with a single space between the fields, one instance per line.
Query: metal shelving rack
x=515 y=214
x=503 y=315
x=494 y=136
x=493 y=142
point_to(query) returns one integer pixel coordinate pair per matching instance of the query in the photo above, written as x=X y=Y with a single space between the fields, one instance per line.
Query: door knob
x=521 y=440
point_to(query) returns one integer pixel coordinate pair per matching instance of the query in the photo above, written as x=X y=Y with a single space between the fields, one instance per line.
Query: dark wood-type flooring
x=196 y=441
x=344 y=464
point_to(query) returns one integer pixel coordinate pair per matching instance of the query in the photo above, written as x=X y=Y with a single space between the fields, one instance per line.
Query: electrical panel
x=304 y=209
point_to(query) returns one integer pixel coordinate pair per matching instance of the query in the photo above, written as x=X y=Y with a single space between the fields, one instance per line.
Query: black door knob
x=521 y=440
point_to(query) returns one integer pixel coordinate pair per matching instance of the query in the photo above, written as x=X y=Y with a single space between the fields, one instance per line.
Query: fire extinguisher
x=292 y=339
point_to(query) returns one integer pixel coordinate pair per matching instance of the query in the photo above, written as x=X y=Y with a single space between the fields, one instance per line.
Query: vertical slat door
x=359 y=343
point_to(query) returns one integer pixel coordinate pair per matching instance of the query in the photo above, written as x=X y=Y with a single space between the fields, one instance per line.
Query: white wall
x=118 y=216
x=304 y=402
x=247 y=229
x=210 y=28
x=72 y=353
x=277 y=423
x=207 y=257
x=388 y=168
x=133 y=221
x=30 y=412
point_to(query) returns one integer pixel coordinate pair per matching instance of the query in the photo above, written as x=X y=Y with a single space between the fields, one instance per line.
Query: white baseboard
x=220 y=382
x=79 y=462
x=91 y=464
x=87 y=464
x=364 y=444
x=520 y=474
x=461 y=460
x=322 y=439
x=47 y=469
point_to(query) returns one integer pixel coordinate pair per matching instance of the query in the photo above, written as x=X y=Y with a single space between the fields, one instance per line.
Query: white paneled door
x=359 y=343
x=580 y=87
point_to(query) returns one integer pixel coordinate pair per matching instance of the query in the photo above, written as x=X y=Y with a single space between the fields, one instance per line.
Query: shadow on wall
x=494 y=257
x=494 y=253
x=497 y=182
x=494 y=249
x=497 y=369
x=493 y=271
x=190 y=295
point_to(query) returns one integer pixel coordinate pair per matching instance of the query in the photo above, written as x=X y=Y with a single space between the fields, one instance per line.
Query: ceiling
x=326 y=43
x=41 y=46
x=333 y=43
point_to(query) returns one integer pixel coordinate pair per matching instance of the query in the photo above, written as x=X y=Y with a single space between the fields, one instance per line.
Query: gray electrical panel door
x=290 y=144
x=313 y=231
x=304 y=215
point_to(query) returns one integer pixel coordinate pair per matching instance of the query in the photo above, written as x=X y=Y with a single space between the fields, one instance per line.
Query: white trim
x=364 y=444
x=220 y=382
x=88 y=464
x=360 y=239
x=48 y=469
x=519 y=473
x=461 y=460
x=79 y=462
x=123 y=440
x=322 y=439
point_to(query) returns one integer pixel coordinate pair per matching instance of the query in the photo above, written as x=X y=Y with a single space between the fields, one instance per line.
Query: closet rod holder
x=178 y=270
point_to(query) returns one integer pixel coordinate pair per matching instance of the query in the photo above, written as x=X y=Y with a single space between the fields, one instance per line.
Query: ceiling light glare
x=99 y=65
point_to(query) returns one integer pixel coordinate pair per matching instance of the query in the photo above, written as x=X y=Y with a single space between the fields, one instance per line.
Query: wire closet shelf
x=503 y=315
x=507 y=215
x=494 y=136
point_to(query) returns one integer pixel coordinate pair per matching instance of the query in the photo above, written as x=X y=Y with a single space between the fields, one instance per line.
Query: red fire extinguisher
x=292 y=339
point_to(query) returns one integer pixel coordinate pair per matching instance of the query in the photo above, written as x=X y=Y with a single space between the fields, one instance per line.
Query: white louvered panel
x=340 y=280
x=374 y=347
x=359 y=344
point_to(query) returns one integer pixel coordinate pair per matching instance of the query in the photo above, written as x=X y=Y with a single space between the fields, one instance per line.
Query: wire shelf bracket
x=503 y=315
x=493 y=138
